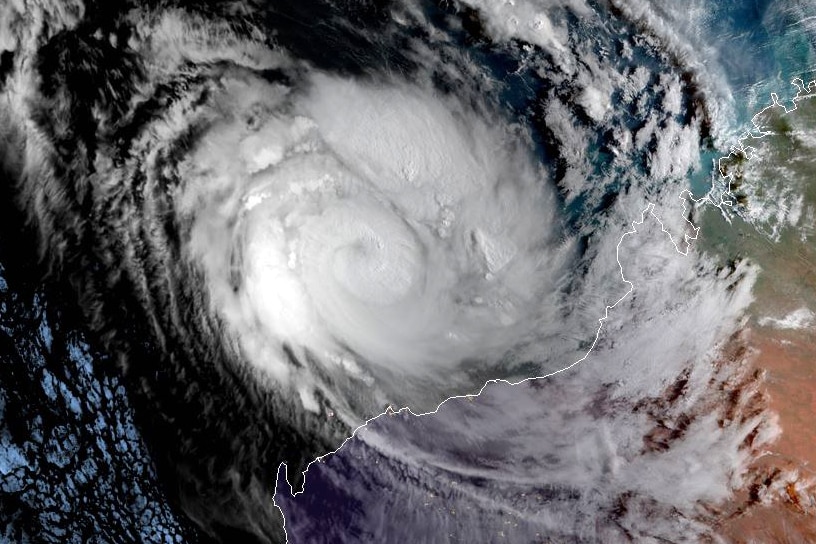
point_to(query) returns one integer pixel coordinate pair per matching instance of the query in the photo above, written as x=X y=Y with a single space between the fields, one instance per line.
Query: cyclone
x=379 y=234
x=286 y=220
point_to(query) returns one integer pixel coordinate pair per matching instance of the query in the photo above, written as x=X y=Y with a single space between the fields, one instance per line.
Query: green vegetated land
x=774 y=188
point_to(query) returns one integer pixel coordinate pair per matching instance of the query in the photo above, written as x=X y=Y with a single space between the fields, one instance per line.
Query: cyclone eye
x=379 y=266
x=388 y=227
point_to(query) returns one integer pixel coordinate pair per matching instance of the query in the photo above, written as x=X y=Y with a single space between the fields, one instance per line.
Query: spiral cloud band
x=374 y=233
x=282 y=218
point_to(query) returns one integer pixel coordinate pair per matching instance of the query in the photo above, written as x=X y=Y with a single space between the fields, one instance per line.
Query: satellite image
x=407 y=271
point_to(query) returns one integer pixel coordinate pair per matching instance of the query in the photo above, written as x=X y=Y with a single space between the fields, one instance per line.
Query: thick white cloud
x=382 y=232
x=403 y=247
x=631 y=443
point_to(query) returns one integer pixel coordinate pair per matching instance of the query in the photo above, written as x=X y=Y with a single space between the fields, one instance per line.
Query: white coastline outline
x=804 y=92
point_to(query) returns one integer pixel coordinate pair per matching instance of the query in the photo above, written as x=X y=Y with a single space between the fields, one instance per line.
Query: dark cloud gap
x=217 y=435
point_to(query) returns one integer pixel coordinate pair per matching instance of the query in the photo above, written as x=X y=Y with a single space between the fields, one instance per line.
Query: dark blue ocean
x=73 y=465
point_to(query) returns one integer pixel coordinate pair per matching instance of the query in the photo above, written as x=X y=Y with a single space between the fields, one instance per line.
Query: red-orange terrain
x=779 y=502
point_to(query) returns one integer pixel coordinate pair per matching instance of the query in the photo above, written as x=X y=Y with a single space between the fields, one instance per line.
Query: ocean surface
x=125 y=414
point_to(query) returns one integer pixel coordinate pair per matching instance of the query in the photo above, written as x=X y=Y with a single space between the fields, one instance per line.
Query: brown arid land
x=779 y=504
